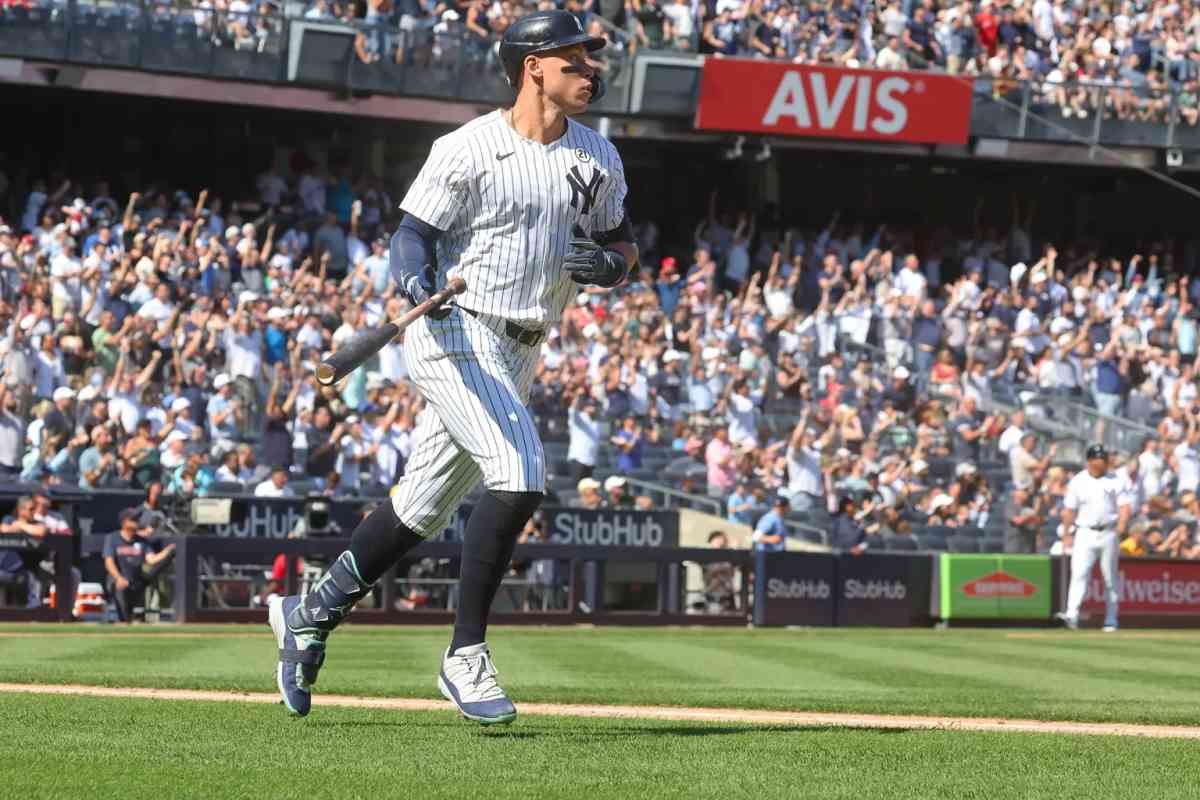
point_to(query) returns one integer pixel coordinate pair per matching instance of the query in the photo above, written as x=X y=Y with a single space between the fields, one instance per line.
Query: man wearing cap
x=131 y=562
x=617 y=489
x=583 y=426
x=224 y=412
x=179 y=418
x=589 y=494
x=1097 y=512
x=770 y=533
x=847 y=534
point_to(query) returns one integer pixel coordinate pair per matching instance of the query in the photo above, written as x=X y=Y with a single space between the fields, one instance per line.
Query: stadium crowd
x=1135 y=60
x=171 y=340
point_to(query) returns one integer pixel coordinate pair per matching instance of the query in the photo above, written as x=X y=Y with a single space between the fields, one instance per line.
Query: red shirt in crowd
x=985 y=26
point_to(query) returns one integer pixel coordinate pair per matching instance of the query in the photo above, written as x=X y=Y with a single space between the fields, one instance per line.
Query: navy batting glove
x=418 y=286
x=589 y=263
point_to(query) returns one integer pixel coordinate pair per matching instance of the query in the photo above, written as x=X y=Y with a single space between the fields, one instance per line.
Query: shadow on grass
x=523 y=730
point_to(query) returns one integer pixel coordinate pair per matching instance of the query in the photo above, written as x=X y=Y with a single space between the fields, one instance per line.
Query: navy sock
x=488 y=544
x=379 y=541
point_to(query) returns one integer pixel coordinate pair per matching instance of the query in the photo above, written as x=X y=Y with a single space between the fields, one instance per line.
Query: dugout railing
x=584 y=586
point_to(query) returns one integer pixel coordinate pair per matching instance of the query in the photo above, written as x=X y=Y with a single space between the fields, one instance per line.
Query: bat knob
x=325 y=373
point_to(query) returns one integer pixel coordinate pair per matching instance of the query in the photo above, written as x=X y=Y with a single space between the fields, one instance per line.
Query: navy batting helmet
x=537 y=33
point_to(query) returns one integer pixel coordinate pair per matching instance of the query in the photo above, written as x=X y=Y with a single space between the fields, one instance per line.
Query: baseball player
x=1097 y=509
x=522 y=203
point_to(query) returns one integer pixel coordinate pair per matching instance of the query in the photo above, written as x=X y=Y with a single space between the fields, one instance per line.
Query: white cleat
x=1071 y=622
x=1110 y=629
x=468 y=679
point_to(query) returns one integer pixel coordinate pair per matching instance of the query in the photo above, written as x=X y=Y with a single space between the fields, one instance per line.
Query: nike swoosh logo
x=502 y=156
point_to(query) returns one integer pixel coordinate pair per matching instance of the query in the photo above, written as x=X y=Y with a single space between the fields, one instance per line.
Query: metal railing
x=667 y=497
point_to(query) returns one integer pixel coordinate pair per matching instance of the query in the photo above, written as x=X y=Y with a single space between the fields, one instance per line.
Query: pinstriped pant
x=475 y=381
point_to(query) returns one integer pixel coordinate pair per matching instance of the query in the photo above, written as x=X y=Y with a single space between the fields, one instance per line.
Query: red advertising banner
x=1150 y=587
x=752 y=96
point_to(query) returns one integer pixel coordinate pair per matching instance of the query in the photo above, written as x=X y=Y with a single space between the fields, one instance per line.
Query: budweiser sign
x=1150 y=587
x=999 y=584
x=832 y=102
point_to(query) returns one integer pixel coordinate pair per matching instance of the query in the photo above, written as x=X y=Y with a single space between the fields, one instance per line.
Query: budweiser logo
x=999 y=584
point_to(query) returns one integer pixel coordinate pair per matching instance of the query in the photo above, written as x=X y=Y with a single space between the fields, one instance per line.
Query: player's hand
x=589 y=263
x=418 y=285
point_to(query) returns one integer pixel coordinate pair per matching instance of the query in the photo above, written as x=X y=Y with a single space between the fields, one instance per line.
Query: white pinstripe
x=506 y=206
x=476 y=380
x=508 y=222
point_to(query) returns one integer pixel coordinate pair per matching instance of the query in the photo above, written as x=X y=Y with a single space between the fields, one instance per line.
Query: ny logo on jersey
x=583 y=193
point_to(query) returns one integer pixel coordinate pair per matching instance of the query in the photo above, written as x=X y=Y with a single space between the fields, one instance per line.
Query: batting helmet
x=537 y=33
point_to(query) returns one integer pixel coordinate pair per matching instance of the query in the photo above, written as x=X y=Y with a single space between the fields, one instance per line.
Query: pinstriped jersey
x=507 y=204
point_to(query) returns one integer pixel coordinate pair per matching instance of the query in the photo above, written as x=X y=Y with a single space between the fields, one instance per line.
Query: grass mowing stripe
x=956 y=672
x=224 y=750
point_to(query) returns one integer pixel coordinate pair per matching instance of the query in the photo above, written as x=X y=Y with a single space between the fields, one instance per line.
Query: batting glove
x=418 y=286
x=589 y=263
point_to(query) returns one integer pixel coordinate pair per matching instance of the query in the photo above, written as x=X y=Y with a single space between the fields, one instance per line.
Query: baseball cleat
x=1110 y=629
x=468 y=679
x=300 y=657
x=1071 y=622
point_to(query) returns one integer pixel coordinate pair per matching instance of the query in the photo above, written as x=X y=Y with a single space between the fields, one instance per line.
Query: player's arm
x=412 y=257
x=1124 y=511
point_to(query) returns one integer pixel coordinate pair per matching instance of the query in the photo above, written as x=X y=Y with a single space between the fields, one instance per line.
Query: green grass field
x=78 y=746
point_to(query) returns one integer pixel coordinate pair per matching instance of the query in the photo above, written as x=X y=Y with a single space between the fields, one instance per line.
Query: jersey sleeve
x=1071 y=501
x=439 y=193
x=612 y=211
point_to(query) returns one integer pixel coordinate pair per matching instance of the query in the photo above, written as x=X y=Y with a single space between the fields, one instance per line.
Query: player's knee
x=520 y=502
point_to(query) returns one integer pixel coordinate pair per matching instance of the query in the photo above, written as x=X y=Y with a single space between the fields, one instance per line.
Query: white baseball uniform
x=506 y=206
x=1097 y=503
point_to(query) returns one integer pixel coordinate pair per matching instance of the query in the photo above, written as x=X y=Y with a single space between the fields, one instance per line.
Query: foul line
x=745 y=716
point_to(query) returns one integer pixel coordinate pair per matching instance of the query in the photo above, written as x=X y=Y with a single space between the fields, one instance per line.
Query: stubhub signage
x=793 y=589
x=828 y=589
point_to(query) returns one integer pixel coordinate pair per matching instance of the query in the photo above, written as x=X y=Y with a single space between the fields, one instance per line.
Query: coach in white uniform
x=1097 y=508
x=523 y=204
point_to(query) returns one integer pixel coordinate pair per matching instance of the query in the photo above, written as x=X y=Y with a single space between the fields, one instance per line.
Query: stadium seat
x=963 y=544
x=932 y=541
x=226 y=487
x=906 y=544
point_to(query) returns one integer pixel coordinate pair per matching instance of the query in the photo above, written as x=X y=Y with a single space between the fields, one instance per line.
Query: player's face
x=566 y=77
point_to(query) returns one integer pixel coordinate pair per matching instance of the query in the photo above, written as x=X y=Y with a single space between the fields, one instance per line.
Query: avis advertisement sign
x=883 y=590
x=751 y=96
x=794 y=588
x=994 y=586
x=1150 y=588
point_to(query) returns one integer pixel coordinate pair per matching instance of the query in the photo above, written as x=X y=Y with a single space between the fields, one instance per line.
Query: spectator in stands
x=617 y=490
x=584 y=428
x=276 y=485
x=589 y=494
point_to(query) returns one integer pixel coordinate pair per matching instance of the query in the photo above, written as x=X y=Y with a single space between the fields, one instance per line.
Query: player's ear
x=533 y=67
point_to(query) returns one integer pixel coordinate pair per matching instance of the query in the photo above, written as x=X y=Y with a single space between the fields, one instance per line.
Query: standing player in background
x=1097 y=508
x=523 y=204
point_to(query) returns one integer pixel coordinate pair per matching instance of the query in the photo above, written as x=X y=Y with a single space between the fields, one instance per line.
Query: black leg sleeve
x=379 y=541
x=488 y=544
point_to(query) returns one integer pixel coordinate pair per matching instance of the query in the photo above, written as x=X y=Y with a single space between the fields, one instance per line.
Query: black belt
x=512 y=330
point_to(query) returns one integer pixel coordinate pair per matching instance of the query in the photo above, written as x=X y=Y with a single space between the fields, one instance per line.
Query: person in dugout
x=132 y=561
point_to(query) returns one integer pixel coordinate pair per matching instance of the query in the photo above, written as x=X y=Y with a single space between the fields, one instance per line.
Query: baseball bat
x=356 y=352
